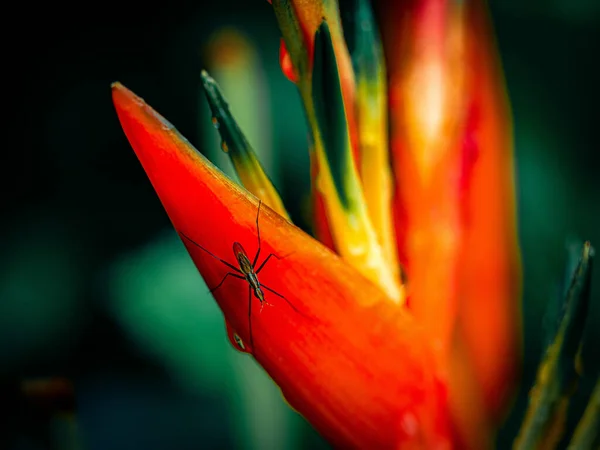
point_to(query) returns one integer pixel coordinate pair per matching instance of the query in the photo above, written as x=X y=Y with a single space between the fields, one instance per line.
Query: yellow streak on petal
x=375 y=167
x=351 y=228
x=353 y=234
x=254 y=179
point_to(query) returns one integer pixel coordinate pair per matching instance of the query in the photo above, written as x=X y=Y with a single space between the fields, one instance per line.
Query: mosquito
x=247 y=271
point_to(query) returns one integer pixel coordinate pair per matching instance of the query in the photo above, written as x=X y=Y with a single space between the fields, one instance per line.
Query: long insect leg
x=281 y=296
x=231 y=266
x=258 y=234
x=224 y=278
x=265 y=261
x=275 y=256
x=250 y=318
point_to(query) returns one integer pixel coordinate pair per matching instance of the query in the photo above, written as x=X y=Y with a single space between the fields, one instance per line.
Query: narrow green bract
x=330 y=113
x=558 y=374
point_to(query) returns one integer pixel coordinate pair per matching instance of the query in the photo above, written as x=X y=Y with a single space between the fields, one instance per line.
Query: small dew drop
x=224 y=147
x=239 y=342
x=215 y=122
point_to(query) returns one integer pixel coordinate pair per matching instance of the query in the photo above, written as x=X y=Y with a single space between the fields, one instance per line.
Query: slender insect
x=247 y=271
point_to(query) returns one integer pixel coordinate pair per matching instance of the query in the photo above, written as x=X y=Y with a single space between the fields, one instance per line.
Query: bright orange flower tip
x=353 y=364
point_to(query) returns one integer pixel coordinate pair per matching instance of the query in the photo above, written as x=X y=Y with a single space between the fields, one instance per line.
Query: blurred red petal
x=490 y=266
x=456 y=225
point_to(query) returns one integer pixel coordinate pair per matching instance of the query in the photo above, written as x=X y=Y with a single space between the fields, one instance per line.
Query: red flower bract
x=356 y=366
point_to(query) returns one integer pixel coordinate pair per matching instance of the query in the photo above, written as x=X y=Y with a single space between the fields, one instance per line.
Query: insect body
x=247 y=271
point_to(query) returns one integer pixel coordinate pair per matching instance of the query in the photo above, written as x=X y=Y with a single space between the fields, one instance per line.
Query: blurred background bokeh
x=96 y=286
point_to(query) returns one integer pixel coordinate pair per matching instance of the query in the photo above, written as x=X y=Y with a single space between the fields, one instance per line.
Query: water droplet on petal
x=224 y=147
x=236 y=340
x=215 y=122
x=239 y=342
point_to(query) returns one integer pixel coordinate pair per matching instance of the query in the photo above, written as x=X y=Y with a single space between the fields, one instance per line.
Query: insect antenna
x=258 y=234
x=231 y=266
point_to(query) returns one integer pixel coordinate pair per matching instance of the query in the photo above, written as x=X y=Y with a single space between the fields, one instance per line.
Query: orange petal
x=490 y=264
x=355 y=366
x=453 y=161
x=425 y=87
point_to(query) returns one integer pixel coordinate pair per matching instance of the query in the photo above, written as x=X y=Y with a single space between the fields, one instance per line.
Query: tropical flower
x=403 y=330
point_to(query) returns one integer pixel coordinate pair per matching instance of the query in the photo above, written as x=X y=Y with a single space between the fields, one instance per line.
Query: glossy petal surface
x=356 y=366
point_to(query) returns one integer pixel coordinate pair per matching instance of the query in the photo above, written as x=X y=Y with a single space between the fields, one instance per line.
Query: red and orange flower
x=408 y=334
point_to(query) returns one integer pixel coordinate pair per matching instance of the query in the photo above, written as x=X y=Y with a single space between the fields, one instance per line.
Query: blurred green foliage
x=41 y=282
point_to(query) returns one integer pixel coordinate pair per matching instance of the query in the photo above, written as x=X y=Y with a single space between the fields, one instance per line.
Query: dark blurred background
x=95 y=285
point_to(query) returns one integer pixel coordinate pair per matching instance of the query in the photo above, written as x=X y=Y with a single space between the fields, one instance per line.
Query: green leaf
x=587 y=433
x=235 y=144
x=558 y=373
x=362 y=38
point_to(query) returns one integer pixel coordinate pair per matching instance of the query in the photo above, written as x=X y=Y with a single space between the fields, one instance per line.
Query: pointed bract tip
x=124 y=99
x=324 y=28
x=588 y=249
x=121 y=95
x=208 y=83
